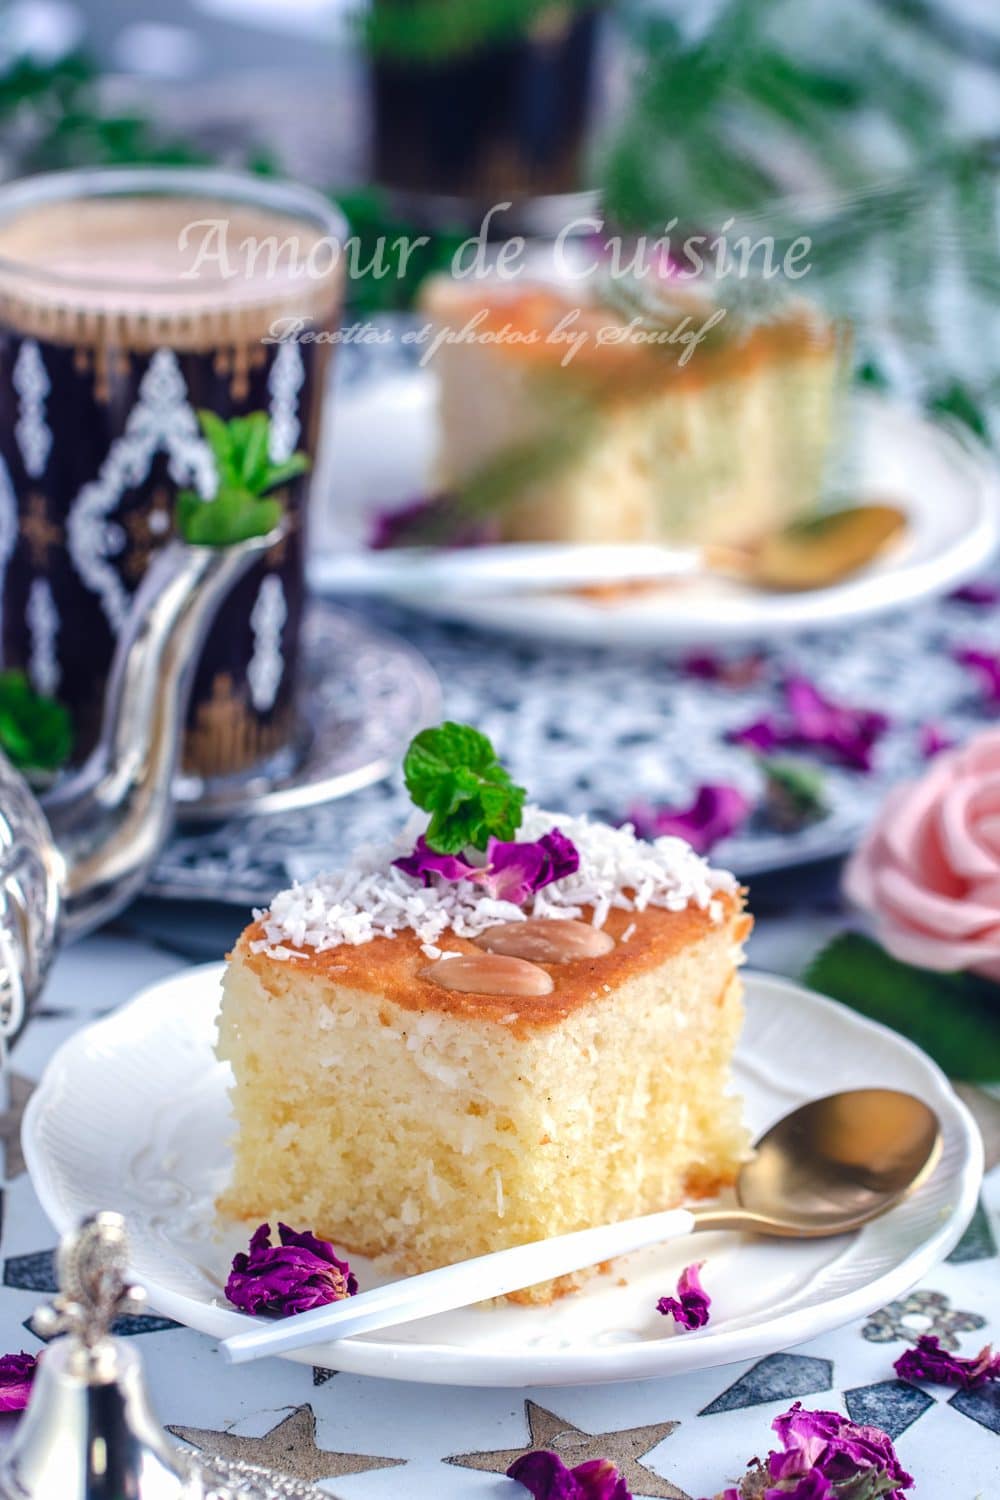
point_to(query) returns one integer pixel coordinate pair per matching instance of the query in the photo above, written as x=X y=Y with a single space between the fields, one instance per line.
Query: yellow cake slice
x=616 y=439
x=421 y=1123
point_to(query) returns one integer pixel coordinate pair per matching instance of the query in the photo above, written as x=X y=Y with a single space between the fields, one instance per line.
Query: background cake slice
x=422 y=1124
x=620 y=440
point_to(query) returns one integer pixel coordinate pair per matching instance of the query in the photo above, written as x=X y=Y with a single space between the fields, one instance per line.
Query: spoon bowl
x=833 y=1165
x=823 y=550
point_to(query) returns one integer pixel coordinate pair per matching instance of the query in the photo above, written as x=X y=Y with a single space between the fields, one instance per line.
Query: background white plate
x=132 y=1115
x=381 y=454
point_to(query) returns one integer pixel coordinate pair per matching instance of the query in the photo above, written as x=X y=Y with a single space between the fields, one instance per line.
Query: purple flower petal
x=816 y=722
x=425 y=862
x=515 y=871
x=716 y=812
x=17 y=1375
x=690 y=1307
x=399 y=525
x=548 y=1478
x=598 y=1479
x=985 y=665
x=512 y=872
x=545 y=1475
x=763 y=735
x=300 y=1272
x=429 y=517
x=738 y=671
x=933 y=740
x=839 y=1449
x=982 y=593
x=928 y=1361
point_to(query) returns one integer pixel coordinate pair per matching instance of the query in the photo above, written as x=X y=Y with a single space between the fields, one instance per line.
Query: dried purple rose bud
x=860 y=1461
x=730 y=671
x=300 y=1272
x=516 y=871
x=17 y=1374
x=716 y=812
x=934 y=740
x=813 y=721
x=981 y=592
x=547 y=1478
x=512 y=872
x=985 y=665
x=928 y=1361
x=690 y=1307
x=425 y=862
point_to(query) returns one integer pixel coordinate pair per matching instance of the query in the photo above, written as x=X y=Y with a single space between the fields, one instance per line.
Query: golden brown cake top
x=394 y=968
x=533 y=326
x=381 y=925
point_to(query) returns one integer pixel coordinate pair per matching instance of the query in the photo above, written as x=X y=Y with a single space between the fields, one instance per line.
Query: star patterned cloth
x=682 y=1438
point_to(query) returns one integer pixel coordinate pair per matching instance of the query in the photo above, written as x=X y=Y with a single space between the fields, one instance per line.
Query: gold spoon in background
x=815 y=553
x=827 y=1168
x=807 y=555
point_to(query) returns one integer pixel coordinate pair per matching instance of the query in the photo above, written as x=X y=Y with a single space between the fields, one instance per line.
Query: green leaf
x=453 y=773
x=794 y=791
x=956 y=401
x=36 y=732
x=290 y=468
x=233 y=516
x=255 y=434
x=955 y=1018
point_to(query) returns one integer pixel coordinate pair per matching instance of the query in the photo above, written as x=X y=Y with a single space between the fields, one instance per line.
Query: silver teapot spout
x=66 y=869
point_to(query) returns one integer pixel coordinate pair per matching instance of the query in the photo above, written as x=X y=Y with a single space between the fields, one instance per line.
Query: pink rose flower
x=929 y=869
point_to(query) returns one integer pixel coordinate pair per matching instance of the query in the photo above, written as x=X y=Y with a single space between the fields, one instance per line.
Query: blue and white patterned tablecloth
x=379 y=1440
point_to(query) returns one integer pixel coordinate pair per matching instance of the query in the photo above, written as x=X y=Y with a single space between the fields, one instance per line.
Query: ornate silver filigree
x=284 y=384
x=29 y=897
x=162 y=421
x=43 y=625
x=31 y=382
x=94 y=1289
x=267 y=663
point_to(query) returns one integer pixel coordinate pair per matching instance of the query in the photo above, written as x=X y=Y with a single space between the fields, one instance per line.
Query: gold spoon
x=825 y=1169
x=832 y=1165
x=814 y=553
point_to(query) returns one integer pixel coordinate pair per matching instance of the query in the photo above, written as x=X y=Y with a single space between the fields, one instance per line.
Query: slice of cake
x=619 y=439
x=520 y=1047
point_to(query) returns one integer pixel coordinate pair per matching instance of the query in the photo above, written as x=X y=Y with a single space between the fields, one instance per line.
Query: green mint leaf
x=955 y=1018
x=453 y=773
x=253 y=458
x=233 y=516
x=241 y=450
x=219 y=437
x=36 y=732
x=794 y=792
x=276 y=474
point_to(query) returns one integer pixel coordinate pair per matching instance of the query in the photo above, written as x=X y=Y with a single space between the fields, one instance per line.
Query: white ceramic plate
x=381 y=453
x=132 y=1115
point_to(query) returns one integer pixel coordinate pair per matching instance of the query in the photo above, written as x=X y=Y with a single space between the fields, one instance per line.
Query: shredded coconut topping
x=373 y=899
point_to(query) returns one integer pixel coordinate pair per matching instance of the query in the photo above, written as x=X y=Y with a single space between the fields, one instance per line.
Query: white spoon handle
x=514 y=567
x=456 y=1286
